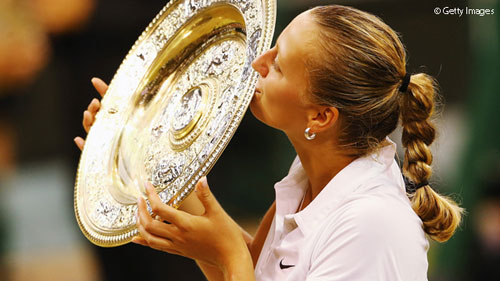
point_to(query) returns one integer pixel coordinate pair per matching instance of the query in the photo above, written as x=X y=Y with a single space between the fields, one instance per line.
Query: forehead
x=297 y=39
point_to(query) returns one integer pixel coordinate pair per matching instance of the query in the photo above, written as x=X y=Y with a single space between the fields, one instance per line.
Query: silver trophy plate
x=170 y=110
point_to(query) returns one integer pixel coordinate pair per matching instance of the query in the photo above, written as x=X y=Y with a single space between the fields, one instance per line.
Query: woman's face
x=280 y=99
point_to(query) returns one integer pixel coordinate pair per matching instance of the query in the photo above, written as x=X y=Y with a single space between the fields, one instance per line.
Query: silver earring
x=308 y=134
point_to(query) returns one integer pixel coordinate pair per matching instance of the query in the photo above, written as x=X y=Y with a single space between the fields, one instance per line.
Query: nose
x=261 y=64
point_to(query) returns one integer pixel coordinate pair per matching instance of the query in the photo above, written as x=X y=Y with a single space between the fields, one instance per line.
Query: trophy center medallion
x=188 y=113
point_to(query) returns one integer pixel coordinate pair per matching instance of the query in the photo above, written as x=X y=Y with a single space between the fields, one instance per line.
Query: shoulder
x=370 y=237
x=371 y=210
x=376 y=221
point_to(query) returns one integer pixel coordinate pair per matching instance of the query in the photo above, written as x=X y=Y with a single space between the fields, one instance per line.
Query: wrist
x=239 y=267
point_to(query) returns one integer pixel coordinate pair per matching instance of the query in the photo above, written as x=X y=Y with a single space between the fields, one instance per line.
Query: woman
x=336 y=84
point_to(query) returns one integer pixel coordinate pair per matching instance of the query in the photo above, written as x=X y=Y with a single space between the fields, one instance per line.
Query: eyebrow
x=277 y=44
x=277 y=50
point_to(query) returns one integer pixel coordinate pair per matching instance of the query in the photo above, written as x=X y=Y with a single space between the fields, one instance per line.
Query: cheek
x=283 y=96
x=282 y=105
x=279 y=105
x=274 y=88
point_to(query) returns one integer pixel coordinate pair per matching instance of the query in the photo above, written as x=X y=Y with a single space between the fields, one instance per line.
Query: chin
x=257 y=112
x=255 y=109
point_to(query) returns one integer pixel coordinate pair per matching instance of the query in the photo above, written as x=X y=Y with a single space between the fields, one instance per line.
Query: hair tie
x=412 y=187
x=406 y=82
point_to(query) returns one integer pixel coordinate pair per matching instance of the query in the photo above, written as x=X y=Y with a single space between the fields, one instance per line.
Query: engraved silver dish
x=170 y=110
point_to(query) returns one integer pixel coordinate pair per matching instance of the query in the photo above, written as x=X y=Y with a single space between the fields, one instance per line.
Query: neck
x=321 y=162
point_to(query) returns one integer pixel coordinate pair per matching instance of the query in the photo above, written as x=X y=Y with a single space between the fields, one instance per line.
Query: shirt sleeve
x=371 y=239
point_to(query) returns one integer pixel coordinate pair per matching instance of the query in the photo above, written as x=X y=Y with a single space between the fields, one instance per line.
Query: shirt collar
x=290 y=191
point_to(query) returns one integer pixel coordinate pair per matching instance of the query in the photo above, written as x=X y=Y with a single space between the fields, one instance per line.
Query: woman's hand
x=93 y=108
x=212 y=238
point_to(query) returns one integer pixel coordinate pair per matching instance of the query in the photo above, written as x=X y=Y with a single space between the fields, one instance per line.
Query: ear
x=323 y=118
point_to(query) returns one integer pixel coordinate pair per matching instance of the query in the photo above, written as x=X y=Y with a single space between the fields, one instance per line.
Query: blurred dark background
x=50 y=49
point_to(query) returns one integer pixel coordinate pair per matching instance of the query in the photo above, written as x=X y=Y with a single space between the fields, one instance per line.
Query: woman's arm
x=212 y=238
x=212 y=273
x=256 y=244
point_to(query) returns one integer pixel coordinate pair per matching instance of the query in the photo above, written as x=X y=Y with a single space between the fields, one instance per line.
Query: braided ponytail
x=440 y=215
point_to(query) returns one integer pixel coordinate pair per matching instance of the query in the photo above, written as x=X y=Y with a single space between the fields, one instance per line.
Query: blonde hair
x=359 y=70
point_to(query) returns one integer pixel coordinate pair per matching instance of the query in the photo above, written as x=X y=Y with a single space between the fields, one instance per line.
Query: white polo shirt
x=360 y=227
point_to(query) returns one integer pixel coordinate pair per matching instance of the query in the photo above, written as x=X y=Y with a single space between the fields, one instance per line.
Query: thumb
x=205 y=195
